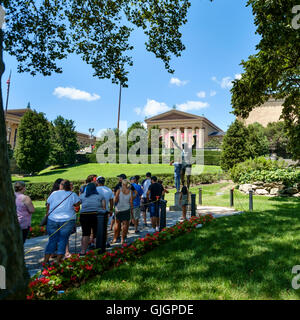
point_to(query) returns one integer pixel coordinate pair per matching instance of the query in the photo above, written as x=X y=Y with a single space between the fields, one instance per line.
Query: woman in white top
x=123 y=206
x=61 y=219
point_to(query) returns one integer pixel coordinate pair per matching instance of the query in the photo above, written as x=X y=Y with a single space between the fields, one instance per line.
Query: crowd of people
x=126 y=203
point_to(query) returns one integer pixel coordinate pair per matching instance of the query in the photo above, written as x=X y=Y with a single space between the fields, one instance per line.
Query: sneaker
x=157 y=229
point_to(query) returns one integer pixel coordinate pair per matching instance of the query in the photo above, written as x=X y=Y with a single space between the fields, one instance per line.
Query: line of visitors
x=124 y=203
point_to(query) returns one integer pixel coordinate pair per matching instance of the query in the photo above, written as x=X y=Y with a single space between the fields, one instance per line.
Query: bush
x=41 y=190
x=261 y=169
x=288 y=177
x=81 y=158
x=234 y=147
x=91 y=157
x=256 y=164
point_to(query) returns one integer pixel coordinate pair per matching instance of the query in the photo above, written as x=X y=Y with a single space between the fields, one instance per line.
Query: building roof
x=217 y=134
x=176 y=115
x=17 y=112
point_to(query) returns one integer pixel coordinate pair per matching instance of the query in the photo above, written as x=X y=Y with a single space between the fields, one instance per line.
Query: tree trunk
x=11 y=244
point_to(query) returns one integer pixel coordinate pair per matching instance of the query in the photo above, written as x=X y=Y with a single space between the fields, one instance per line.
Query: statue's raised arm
x=175 y=143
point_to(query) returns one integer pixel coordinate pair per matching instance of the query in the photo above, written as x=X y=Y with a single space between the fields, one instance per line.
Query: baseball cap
x=133 y=178
x=100 y=179
x=148 y=174
x=123 y=176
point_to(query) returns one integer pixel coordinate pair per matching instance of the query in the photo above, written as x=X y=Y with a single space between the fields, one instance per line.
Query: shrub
x=288 y=177
x=41 y=190
x=91 y=157
x=81 y=158
x=234 y=147
x=256 y=164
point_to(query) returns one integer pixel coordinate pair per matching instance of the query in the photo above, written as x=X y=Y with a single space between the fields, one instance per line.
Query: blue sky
x=217 y=37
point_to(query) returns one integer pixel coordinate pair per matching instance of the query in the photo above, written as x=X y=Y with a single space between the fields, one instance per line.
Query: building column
x=178 y=136
x=201 y=138
x=185 y=138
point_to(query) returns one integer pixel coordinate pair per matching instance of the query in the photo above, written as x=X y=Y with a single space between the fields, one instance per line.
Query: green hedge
x=211 y=158
x=41 y=190
x=288 y=177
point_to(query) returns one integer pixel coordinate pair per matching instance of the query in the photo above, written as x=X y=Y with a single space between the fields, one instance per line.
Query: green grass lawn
x=40 y=211
x=80 y=172
x=249 y=256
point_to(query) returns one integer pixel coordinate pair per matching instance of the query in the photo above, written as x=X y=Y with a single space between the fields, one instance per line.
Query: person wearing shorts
x=92 y=203
x=136 y=212
x=154 y=194
x=123 y=206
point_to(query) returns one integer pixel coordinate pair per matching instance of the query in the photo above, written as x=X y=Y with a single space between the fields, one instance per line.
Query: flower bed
x=76 y=270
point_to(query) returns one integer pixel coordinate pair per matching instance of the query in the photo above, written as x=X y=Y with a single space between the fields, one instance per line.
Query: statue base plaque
x=177 y=206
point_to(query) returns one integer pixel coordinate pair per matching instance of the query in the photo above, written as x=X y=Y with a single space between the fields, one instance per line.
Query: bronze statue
x=186 y=155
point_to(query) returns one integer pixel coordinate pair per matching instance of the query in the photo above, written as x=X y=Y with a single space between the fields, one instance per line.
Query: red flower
x=87 y=267
x=30 y=297
x=46 y=273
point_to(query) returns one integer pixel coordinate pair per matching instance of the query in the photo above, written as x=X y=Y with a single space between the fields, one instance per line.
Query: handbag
x=45 y=218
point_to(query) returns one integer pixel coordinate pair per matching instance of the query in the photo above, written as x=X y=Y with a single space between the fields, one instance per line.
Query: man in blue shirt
x=136 y=213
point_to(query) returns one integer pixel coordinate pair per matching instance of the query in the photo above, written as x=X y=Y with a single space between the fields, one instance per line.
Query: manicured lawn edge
x=77 y=270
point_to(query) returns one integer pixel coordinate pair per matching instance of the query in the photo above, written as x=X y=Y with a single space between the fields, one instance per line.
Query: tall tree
x=275 y=69
x=33 y=143
x=235 y=146
x=278 y=138
x=64 y=143
x=38 y=33
x=257 y=142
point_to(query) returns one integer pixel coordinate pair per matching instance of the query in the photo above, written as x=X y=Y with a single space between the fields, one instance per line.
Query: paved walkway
x=37 y=245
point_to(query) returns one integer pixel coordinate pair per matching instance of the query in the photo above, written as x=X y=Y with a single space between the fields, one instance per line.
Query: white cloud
x=192 y=105
x=226 y=83
x=75 y=94
x=178 y=82
x=153 y=108
x=201 y=94
x=213 y=93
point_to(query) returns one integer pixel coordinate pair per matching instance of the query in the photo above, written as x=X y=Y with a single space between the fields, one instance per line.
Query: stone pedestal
x=177 y=206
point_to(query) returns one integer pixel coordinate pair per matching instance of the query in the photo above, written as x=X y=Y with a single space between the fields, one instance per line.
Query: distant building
x=183 y=126
x=265 y=114
x=13 y=118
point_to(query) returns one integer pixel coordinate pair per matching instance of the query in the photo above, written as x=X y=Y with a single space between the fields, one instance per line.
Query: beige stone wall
x=268 y=112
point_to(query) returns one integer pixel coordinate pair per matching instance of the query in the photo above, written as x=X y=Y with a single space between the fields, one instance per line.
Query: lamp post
x=91 y=130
